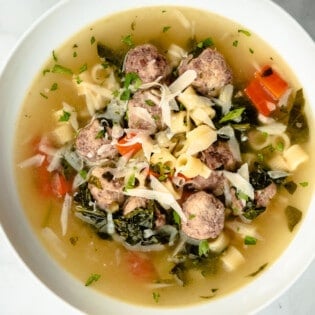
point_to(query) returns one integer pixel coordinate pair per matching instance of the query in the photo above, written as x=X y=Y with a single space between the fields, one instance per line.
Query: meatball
x=147 y=62
x=144 y=111
x=105 y=191
x=219 y=155
x=93 y=147
x=212 y=71
x=133 y=203
x=205 y=216
x=214 y=183
x=263 y=196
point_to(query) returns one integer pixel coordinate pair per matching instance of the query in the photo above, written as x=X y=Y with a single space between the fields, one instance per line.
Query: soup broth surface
x=81 y=251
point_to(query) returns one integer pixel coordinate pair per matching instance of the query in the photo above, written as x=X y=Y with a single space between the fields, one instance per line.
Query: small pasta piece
x=232 y=259
x=243 y=229
x=281 y=142
x=295 y=156
x=259 y=140
x=220 y=243
x=179 y=122
x=277 y=162
x=191 y=100
x=199 y=139
x=165 y=157
x=170 y=187
x=62 y=134
x=190 y=166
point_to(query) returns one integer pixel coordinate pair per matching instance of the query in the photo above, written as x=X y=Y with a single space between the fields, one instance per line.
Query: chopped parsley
x=46 y=71
x=78 y=80
x=83 y=68
x=83 y=174
x=250 y=240
x=251 y=50
x=232 y=115
x=203 y=248
x=166 y=28
x=255 y=273
x=156 y=296
x=73 y=240
x=149 y=102
x=54 y=56
x=75 y=54
x=304 y=184
x=92 y=40
x=131 y=182
x=235 y=43
x=54 y=87
x=205 y=43
x=61 y=69
x=65 y=116
x=92 y=278
x=176 y=218
x=245 y=32
x=43 y=95
x=128 y=40
x=131 y=80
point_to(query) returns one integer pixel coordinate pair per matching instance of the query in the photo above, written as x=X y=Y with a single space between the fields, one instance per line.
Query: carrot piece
x=258 y=95
x=124 y=147
x=59 y=185
x=141 y=267
x=272 y=81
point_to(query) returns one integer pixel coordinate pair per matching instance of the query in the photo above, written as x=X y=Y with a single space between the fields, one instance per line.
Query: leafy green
x=198 y=47
x=298 y=128
x=203 y=248
x=165 y=29
x=83 y=197
x=232 y=115
x=250 y=240
x=114 y=57
x=291 y=187
x=128 y=40
x=156 y=296
x=245 y=32
x=293 y=216
x=92 y=278
x=61 y=69
x=255 y=273
x=132 y=226
x=65 y=116
x=54 y=87
x=252 y=213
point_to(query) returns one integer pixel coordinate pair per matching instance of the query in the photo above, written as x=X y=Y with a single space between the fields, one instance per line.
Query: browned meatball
x=147 y=62
x=144 y=111
x=92 y=145
x=104 y=191
x=214 y=183
x=212 y=71
x=219 y=155
x=205 y=216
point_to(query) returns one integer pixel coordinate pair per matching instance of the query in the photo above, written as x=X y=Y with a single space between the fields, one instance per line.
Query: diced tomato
x=262 y=100
x=272 y=81
x=59 y=185
x=141 y=267
x=124 y=146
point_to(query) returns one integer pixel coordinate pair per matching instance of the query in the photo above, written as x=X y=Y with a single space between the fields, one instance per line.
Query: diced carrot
x=124 y=148
x=272 y=81
x=258 y=95
x=141 y=267
x=59 y=185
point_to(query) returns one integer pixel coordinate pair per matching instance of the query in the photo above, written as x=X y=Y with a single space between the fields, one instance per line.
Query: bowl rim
x=275 y=273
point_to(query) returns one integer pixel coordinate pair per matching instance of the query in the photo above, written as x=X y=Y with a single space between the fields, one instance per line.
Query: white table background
x=20 y=291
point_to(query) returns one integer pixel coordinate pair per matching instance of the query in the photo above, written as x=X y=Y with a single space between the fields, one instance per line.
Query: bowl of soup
x=157 y=156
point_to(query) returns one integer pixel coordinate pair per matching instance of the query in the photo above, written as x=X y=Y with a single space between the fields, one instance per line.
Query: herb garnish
x=83 y=68
x=128 y=40
x=61 y=69
x=92 y=278
x=166 y=28
x=54 y=56
x=250 y=240
x=245 y=32
x=203 y=248
x=235 y=43
x=43 y=95
x=255 y=273
x=92 y=40
x=156 y=296
x=65 y=116
x=232 y=115
x=54 y=87
x=304 y=184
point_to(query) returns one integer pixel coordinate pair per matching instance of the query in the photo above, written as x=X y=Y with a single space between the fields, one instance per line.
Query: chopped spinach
x=259 y=177
x=293 y=216
x=114 y=57
x=297 y=128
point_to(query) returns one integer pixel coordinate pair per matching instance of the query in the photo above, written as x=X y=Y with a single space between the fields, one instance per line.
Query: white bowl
x=52 y=30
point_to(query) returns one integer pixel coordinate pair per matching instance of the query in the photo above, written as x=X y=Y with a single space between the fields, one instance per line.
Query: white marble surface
x=22 y=293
